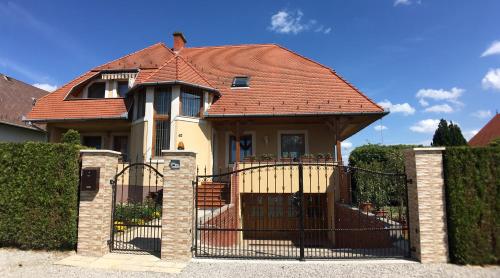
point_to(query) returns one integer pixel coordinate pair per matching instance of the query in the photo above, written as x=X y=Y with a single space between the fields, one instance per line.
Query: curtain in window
x=245 y=147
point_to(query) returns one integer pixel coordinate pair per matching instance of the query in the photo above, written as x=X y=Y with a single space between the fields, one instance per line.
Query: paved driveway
x=14 y=263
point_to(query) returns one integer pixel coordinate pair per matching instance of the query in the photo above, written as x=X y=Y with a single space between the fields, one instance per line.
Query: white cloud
x=482 y=114
x=470 y=133
x=380 y=127
x=404 y=108
x=492 y=50
x=423 y=102
x=492 y=79
x=402 y=2
x=46 y=87
x=441 y=108
x=290 y=22
x=346 y=145
x=451 y=95
x=23 y=70
x=425 y=126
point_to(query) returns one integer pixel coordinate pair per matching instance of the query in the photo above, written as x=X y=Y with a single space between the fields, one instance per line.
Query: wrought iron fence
x=294 y=210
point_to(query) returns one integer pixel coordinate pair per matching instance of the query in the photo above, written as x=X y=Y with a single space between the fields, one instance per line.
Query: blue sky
x=423 y=59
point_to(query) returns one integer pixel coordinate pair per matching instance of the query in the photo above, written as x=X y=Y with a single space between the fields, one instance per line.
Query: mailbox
x=90 y=179
x=175 y=164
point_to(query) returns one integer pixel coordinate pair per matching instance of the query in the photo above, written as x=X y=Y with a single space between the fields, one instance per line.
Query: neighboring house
x=16 y=100
x=206 y=99
x=487 y=134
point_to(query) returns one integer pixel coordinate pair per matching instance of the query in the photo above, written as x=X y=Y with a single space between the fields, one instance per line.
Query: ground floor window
x=120 y=144
x=92 y=142
x=245 y=147
x=293 y=145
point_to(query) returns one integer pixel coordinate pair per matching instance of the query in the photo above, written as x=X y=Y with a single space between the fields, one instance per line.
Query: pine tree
x=457 y=138
x=448 y=135
x=442 y=134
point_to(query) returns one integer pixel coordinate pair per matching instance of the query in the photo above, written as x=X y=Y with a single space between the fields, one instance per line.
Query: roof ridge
x=160 y=68
x=135 y=52
x=196 y=71
x=334 y=73
x=234 y=45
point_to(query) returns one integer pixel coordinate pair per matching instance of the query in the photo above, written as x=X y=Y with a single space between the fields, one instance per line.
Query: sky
x=422 y=59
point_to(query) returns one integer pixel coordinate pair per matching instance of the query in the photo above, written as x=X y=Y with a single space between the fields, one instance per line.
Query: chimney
x=179 y=41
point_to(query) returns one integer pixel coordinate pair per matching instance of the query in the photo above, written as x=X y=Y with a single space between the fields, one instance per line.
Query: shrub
x=472 y=177
x=376 y=188
x=38 y=195
x=71 y=137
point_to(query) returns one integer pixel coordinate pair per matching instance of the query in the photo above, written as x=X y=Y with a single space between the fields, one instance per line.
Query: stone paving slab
x=124 y=262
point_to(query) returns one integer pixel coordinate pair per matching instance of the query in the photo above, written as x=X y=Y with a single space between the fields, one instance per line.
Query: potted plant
x=266 y=157
x=307 y=158
x=286 y=158
x=250 y=158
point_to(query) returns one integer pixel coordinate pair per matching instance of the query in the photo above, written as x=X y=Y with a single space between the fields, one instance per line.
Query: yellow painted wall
x=320 y=139
x=196 y=137
x=285 y=179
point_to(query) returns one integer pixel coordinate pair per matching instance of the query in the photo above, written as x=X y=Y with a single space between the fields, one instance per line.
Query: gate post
x=426 y=204
x=179 y=172
x=95 y=207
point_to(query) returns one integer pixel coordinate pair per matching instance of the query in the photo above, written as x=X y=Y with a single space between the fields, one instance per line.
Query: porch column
x=177 y=211
x=237 y=142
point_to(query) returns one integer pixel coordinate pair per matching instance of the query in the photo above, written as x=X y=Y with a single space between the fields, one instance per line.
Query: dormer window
x=122 y=88
x=240 y=82
x=97 y=90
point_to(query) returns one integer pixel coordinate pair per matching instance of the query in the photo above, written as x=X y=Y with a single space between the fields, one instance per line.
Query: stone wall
x=426 y=197
x=95 y=211
x=178 y=204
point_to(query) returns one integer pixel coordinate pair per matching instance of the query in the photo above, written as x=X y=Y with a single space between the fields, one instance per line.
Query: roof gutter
x=123 y=116
x=295 y=114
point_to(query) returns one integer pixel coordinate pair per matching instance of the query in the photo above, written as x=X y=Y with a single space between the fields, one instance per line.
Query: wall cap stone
x=113 y=153
x=177 y=152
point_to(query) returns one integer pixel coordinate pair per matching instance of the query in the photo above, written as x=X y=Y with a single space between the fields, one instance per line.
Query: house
x=487 y=134
x=16 y=100
x=205 y=99
x=231 y=105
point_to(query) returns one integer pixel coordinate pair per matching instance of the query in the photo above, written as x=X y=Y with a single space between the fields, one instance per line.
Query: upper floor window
x=240 y=81
x=191 y=102
x=97 y=90
x=122 y=88
x=141 y=104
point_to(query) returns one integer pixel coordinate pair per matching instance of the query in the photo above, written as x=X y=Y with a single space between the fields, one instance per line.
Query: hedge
x=472 y=177
x=38 y=195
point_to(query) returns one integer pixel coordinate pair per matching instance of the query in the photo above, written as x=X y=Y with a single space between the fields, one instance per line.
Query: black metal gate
x=303 y=210
x=137 y=208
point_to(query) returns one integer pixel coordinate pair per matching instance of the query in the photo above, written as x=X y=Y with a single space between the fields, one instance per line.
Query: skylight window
x=240 y=81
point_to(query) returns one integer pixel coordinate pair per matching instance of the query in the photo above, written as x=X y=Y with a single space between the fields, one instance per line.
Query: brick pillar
x=177 y=215
x=426 y=198
x=94 y=219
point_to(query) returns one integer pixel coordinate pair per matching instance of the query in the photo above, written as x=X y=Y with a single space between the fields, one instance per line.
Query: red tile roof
x=488 y=133
x=54 y=107
x=177 y=69
x=281 y=83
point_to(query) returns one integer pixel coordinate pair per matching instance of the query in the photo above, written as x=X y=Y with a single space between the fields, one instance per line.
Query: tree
x=71 y=137
x=448 y=135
